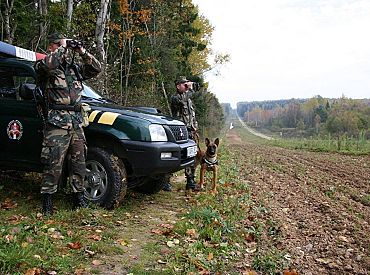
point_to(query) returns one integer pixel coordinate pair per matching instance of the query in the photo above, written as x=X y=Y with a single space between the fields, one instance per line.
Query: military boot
x=167 y=187
x=79 y=200
x=190 y=183
x=47 y=204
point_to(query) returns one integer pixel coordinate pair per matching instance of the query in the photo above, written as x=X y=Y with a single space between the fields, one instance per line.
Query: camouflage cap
x=181 y=79
x=55 y=37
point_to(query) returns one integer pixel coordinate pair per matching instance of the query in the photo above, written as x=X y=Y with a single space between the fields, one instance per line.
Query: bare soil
x=319 y=200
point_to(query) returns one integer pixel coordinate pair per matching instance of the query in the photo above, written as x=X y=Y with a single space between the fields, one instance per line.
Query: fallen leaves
x=166 y=229
x=76 y=245
x=249 y=237
x=33 y=271
x=55 y=234
x=166 y=225
x=122 y=242
x=173 y=243
x=9 y=238
x=95 y=237
x=8 y=204
x=192 y=233
x=96 y=262
x=15 y=219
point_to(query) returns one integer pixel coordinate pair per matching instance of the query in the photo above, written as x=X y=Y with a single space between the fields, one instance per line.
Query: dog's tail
x=196 y=139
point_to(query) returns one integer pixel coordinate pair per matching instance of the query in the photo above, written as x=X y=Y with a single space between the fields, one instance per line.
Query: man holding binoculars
x=182 y=109
x=60 y=79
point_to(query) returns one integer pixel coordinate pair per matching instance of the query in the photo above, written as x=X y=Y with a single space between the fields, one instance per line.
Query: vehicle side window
x=7 y=86
x=13 y=82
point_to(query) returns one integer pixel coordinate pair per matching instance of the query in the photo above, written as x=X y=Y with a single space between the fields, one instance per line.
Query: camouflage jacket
x=64 y=84
x=182 y=109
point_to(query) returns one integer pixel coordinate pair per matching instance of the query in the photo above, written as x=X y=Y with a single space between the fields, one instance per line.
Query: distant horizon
x=289 y=49
x=295 y=98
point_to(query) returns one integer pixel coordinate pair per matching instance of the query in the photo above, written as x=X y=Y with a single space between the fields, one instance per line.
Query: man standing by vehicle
x=63 y=133
x=182 y=109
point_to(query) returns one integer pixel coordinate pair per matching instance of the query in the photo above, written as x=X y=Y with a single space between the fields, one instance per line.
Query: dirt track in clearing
x=320 y=201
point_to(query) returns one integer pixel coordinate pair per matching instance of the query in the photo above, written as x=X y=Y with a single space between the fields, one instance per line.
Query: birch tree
x=42 y=6
x=5 y=19
x=101 y=21
x=69 y=14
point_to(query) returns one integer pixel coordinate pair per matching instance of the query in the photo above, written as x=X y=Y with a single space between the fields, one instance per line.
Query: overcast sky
x=283 y=49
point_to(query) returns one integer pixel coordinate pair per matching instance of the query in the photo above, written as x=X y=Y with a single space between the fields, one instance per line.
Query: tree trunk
x=101 y=21
x=42 y=6
x=166 y=99
x=9 y=30
x=69 y=14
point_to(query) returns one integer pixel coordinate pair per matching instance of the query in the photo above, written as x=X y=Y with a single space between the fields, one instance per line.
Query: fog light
x=166 y=155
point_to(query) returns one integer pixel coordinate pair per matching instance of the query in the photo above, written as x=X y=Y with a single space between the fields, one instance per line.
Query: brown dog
x=208 y=162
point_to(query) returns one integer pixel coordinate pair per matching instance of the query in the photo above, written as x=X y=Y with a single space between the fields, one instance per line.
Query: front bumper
x=145 y=157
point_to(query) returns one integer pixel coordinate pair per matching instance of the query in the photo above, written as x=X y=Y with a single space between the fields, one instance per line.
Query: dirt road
x=319 y=201
x=252 y=131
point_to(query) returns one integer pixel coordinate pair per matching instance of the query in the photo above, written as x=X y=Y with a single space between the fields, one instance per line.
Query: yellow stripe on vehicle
x=93 y=115
x=108 y=118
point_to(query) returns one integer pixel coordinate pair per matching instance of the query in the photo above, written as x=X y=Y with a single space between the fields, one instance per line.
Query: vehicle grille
x=179 y=132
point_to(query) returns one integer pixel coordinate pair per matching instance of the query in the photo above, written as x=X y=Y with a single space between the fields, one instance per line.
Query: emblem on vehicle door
x=15 y=130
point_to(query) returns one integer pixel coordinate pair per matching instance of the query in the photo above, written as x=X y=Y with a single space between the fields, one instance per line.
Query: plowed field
x=320 y=202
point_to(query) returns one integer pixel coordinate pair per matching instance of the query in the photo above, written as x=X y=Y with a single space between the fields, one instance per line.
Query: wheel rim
x=96 y=180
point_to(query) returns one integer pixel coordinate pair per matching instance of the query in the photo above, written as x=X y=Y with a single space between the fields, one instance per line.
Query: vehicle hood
x=132 y=113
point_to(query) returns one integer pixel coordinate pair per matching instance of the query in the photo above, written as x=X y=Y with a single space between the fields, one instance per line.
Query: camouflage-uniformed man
x=63 y=133
x=182 y=109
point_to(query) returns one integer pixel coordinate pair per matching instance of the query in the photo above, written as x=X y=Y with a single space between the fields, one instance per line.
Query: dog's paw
x=199 y=188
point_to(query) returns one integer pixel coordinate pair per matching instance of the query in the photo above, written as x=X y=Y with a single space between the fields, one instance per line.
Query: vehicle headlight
x=157 y=132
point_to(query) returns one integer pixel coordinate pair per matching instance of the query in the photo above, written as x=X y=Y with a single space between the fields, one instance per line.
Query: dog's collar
x=210 y=161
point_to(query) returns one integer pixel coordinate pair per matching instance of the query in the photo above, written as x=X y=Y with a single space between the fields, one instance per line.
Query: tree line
x=144 y=45
x=314 y=116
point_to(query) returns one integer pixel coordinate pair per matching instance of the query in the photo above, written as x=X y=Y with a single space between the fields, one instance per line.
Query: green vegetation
x=143 y=46
x=315 y=125
x=209 y=236
x=343 y=144
x=319 y=124
x=218 y=227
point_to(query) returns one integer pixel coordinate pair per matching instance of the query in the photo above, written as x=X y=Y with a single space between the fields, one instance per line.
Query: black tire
x=153 y=185
x=106 y=178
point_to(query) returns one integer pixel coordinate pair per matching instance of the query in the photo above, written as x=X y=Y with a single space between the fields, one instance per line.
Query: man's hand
x=63 y=42
x=189 y=85
x=80 y=50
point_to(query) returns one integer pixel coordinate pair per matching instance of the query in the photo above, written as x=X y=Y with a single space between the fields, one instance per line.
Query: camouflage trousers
x=190 y=170
x=58 y=144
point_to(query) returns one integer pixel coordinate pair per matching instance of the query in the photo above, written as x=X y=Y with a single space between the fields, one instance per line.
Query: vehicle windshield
x=89 y=92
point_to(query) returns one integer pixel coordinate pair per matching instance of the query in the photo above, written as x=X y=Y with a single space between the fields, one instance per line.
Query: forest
x=310 y=117
x=143 y=46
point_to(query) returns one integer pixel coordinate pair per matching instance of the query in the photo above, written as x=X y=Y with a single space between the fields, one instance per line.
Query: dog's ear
x=207 y=141
x=217 y=141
